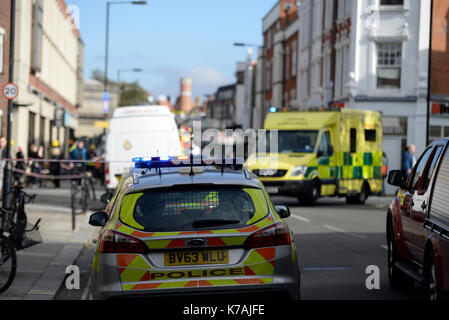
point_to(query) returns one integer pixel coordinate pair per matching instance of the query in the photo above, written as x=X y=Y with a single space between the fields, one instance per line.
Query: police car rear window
x=197 y=209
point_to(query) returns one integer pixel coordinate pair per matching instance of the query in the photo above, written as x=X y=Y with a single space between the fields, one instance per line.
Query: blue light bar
x=183 y=162
x=273 y=109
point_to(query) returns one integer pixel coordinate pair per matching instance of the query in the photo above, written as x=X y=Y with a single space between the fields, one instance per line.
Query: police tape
x=47 y=176
x=64 y=160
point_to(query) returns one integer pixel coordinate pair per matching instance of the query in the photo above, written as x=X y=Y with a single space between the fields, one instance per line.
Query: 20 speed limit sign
x=10 y=91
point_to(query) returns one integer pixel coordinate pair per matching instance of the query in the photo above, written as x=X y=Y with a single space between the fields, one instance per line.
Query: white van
x=141 y=131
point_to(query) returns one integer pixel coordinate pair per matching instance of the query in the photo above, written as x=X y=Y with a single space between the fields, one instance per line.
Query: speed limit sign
x=10 y=91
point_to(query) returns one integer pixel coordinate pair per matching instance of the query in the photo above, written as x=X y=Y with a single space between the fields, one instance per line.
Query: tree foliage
x=131 y=93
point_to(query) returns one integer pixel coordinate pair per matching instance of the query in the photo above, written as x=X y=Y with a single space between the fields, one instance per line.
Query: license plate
x=272 y=189
x=180 y=258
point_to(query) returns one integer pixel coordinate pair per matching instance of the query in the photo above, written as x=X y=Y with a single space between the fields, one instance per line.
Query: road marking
x=384 y=247
x=294 y=216
x=345 y=232
x=86 y=291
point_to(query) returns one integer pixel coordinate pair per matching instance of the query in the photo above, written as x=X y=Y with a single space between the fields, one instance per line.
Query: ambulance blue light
x=273 y=109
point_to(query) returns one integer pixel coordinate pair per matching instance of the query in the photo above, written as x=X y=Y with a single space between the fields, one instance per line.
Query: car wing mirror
x=283 y=211
x=330 y=150
x=397 y=178
x=98 y=219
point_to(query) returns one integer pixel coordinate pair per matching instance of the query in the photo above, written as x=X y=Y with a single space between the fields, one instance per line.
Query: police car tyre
x=432 y=290
x=396 y=278
x=8 y=263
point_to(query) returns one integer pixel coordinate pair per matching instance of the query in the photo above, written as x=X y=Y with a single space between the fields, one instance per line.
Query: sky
x=170 y=39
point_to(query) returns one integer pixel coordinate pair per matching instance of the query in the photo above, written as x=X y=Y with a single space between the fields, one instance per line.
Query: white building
x=244 y=104
x=368 y=54
x=48 y=71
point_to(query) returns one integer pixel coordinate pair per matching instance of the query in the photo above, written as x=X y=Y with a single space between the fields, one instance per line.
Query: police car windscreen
x=193 y=209
x=438 y=209
x=293 y=141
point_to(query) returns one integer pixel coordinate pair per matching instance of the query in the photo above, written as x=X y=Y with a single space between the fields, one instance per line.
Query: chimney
x=186 y=92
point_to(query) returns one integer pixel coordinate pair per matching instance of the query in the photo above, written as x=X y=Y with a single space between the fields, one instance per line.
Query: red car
x=418 y=224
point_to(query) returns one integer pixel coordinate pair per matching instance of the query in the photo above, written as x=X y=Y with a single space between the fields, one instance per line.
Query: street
x=335 y=243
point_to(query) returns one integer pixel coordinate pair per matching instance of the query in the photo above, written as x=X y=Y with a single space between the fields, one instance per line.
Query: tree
x=130 y=93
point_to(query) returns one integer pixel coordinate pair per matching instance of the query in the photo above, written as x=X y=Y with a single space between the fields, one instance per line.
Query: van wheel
x=360 y=198
x=311 y=198
x=432 y=290
x=396 y=278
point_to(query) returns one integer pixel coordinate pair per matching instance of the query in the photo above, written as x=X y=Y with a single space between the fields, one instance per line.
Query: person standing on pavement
x=408 y=160
x=19 y=165
x=79 y=153
x=3 y=155
x=384 y=171
x=55 y=167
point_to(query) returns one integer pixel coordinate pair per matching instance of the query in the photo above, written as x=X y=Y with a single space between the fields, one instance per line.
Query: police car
x=193 y=228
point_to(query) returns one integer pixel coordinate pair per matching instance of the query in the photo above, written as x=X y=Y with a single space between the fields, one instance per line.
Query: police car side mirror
x=283 y=211
x=98 y=219
x=106 y=197
x=397 y=178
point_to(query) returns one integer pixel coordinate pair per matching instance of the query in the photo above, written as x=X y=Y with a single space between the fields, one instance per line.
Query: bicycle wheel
x=8 y=263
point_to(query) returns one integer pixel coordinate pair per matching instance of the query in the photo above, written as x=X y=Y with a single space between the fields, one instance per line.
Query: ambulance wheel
x=311 y=198
x=360 y=198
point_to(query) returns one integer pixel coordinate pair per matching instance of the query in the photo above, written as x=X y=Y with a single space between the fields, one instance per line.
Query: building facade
x=276 y=72
x=244 y=93
x=5 y=22
x=221 y=108
x=48 y=69
x=362 y=54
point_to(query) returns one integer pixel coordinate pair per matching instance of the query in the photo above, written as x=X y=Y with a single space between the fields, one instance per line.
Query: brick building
x=5 y=21
x=440 y=69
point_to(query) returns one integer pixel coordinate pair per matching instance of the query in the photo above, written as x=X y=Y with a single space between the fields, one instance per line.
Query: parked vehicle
x=418 y=224
x=322 y=153
x=139 y=131
x=179 y=230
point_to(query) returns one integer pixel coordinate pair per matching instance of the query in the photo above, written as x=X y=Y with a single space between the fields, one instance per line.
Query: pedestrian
x=79 y=154
x=55 y=167
x=408 y=160
x=34 y=165
x=384 y=171
x=3 y=155
x=20 y=165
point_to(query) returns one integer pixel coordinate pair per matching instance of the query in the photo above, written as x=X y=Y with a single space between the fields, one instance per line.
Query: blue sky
x=170 y=39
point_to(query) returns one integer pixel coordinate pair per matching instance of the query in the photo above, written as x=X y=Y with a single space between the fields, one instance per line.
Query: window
x=391 y=2
x=325 y=143
x=389 y=61
x=36 y=35
x=2 y=48
x=370 y=135
x=353 y=141
x=419 y=168
x=435 y=132
x=438 y=205
x=426 y=181
x=187 y=208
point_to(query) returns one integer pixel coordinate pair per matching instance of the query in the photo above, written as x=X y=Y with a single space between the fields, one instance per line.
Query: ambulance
x=321 y=154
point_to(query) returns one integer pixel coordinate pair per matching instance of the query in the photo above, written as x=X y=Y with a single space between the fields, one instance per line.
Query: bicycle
x=82 y=191
x=13 y=229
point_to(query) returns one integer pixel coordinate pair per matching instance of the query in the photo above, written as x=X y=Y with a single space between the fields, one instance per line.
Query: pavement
x=41 y=269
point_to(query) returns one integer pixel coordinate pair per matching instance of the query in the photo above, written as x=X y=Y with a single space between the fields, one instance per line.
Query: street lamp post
x=108 y=5
x=7 y=176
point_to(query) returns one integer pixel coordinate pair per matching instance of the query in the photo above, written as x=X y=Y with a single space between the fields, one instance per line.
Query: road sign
x=106 y=102
x=10 y=91
x=101 y=124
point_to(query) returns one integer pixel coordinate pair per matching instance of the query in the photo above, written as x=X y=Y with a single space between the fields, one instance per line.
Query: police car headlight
x=299 y=171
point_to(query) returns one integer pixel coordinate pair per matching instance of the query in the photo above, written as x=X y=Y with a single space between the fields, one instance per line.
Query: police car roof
x=151 y=179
